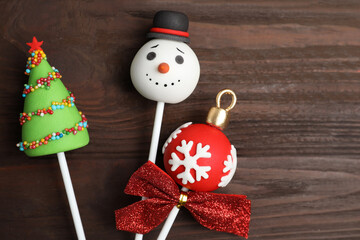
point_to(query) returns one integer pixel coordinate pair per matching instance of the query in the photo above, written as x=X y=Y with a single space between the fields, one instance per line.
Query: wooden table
x=294 y=65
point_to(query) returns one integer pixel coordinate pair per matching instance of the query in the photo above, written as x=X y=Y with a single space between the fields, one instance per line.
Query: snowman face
x=165 y=71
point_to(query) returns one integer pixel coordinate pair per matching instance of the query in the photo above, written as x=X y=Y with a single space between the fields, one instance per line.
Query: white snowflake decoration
x=174 y=135
x=230 y=165
x=190 y=162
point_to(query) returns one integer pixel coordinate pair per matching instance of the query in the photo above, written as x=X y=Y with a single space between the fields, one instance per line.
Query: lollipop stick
x=154 y=141
x=170 y=220
x=138 y=236
x=156 y=131
x=71 y=196
x=168 y=223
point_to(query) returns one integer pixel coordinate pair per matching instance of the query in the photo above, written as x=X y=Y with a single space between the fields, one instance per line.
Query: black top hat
x=170 y=25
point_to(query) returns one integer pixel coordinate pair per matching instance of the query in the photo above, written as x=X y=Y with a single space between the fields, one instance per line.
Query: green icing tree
x=51 y=123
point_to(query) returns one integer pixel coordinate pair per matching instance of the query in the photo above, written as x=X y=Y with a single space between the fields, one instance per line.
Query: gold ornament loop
x=182 y=200
x=233 y=98
x=217 y=116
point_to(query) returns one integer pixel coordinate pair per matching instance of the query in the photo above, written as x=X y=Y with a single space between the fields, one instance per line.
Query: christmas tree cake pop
x=51 y=123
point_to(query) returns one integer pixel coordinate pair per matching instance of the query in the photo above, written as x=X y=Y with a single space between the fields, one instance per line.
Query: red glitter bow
x=220 y=212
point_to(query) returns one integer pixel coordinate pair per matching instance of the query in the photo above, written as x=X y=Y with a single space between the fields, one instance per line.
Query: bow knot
x=182 y=199
x=220 y=212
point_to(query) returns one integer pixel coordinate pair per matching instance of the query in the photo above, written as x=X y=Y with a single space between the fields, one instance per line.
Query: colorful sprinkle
x=42 y=82
x=54 y=136
x=36 y=57
x=68 y=102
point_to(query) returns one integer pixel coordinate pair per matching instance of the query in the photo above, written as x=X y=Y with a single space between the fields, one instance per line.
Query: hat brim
x=168 y=36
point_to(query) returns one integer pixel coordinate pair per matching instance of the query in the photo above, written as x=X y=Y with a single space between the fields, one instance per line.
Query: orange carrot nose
x=163 y=67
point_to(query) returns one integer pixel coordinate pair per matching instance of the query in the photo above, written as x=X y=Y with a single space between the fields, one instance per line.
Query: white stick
x=71 y=196
x=156 y=131
x=170 y=220
x=154 y=142
x=138 y=236
x=168 y=223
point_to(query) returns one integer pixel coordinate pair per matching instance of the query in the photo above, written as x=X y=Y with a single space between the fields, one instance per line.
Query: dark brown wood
x=294 y=65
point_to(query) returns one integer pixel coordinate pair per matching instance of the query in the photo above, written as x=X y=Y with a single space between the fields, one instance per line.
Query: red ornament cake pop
x=200 y=156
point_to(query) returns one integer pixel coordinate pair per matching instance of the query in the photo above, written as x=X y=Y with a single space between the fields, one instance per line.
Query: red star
x=35 y=45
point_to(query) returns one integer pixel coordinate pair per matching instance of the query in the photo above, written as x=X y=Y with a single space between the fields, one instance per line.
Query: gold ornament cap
x=217 y=116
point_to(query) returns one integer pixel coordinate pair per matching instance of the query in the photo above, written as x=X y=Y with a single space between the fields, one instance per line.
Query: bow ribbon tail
x=151 y=182
x=143 y=216
x=221 y=212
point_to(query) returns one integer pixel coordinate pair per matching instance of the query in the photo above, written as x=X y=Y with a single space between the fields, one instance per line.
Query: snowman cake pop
x=166 y=69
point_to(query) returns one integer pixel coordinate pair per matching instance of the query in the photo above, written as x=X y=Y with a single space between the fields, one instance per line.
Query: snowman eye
x=151 y=56
x=179 y=59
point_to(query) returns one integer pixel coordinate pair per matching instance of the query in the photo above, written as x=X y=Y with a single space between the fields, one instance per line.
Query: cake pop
x=204 y=166
x=165 y=69
x=51 y=123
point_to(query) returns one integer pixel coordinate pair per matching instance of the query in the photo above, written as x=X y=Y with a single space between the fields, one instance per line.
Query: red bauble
x=199 y=157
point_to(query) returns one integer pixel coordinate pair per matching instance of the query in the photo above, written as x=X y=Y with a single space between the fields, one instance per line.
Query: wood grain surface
x=295 y=66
